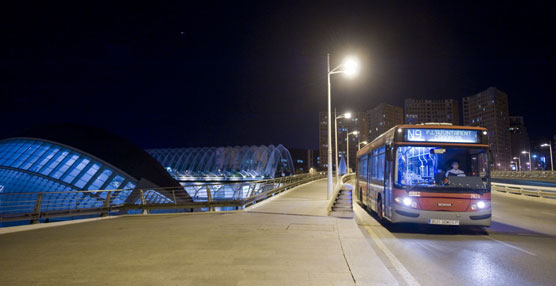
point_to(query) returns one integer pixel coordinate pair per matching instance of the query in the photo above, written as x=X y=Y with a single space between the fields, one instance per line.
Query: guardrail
x=344 y=179
x=37 y=206
x=536 y=191
x=525 y=174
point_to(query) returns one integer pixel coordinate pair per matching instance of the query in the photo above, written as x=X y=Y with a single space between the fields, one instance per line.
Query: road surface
x=518 y=249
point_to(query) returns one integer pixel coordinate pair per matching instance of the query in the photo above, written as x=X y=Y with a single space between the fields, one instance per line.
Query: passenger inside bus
x=424 y=166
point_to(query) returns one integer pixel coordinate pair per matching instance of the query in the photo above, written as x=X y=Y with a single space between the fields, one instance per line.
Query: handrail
x=535 y=175
x=345 y=178
x=527 y=190
x=34 y=206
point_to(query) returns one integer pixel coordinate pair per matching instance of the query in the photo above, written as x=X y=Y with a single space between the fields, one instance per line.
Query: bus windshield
x=441 y=167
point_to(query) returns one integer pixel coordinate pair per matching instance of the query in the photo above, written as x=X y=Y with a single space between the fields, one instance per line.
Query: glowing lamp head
x=347 y=115
x=351 y=67
x=364 y=142
x=355 y=132
x=481 y=205
x=524 y=152
x=407 y=201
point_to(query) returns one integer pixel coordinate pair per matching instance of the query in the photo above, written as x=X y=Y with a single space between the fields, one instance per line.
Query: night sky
x=251 y=73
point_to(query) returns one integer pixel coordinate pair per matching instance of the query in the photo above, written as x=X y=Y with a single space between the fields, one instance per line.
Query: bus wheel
x=379 y=209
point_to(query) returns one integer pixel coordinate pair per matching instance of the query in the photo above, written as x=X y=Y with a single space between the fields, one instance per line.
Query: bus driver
x=455 y=171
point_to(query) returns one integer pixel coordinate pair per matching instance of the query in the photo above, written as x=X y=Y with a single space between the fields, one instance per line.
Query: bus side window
x=369 y=167
x=380 y=164
x=362 y=170
x=374 y=165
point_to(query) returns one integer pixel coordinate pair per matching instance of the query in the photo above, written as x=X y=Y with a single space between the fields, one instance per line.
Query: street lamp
x=347 y=140
x=349 y=67
x=525 y=152
x=346 y=115
x=518 y=163
x=550 y=146
x=359 y=144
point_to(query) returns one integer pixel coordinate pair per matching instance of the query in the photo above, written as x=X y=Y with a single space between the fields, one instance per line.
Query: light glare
x=351 y=66
x=347 y=115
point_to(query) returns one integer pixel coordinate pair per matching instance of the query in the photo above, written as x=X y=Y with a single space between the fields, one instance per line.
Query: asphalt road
x=518 y=249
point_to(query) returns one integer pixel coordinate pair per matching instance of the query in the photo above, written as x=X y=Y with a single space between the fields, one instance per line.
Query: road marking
x=512 y=246
x=548 y=213
x=407 y=277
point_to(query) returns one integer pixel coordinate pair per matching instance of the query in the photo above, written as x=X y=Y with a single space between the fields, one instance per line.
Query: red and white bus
x=429 y=173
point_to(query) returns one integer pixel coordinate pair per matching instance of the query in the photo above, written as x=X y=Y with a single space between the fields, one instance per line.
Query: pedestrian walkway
x=287 y=240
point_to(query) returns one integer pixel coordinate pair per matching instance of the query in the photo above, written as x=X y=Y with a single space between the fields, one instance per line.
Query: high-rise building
x=431 y=110
x=303 y=160
x=383 y=117
x=519 y=141
x=357 y=122
x=490 y=109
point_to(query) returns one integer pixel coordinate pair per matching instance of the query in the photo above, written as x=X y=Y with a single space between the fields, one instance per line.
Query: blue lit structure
x=225 y=163
x=88 y=159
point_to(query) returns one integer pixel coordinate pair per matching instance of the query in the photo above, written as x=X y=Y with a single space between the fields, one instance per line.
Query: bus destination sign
x=441 y=135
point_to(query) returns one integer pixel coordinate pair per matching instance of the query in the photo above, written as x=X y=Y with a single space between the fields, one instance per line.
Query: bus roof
x=439 y=126
x=365 y=149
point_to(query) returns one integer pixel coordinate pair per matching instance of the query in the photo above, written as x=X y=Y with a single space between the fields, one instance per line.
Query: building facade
x=519 y=140
x=431 y=110
x=383 y=117
x=490 y=109
x=357 y=122
x=303 y=160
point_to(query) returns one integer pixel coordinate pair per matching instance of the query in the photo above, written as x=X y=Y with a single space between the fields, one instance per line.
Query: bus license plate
x=444 y=221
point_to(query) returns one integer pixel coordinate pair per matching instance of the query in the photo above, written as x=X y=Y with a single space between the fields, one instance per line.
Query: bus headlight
x=479 y=205
x=406 y=201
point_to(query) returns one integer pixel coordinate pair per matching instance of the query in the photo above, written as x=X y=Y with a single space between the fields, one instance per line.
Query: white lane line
x=547 y=213
x=407 y=277
x=512 y=246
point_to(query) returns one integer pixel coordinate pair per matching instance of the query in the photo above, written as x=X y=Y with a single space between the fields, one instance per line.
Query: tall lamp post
x=349 y=67
x=518 y=163
x=529 y=153
x=346 y=115
x=347 y=140
x=551 y=158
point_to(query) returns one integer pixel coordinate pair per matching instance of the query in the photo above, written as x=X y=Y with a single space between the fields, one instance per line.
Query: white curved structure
x=245 y=162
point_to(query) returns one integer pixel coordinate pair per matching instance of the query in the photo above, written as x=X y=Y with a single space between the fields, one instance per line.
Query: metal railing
x=37 y=206
x=525 y=174
x=344 y=179
x=535 y=191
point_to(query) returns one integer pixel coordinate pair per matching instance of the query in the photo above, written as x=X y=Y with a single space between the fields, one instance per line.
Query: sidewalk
x=287 y=240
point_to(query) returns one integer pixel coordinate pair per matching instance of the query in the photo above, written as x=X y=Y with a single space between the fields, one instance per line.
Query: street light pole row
x=349 y=67
x=347 y=151
x=346 y=115
x=549 y=144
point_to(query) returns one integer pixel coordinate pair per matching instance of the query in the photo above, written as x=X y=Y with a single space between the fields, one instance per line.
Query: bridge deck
x=288 y=240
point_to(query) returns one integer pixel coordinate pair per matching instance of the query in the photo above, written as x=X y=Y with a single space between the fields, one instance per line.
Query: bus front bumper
x=479 y=218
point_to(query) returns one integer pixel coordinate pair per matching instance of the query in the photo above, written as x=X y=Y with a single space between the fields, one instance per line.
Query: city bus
x=433 y=173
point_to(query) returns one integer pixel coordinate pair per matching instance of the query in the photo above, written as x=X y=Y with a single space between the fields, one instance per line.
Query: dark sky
x=237 y=73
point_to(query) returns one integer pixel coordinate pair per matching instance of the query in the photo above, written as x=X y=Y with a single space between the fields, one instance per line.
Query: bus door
x=388 y=172
x=368 y=187
x=388 y=188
